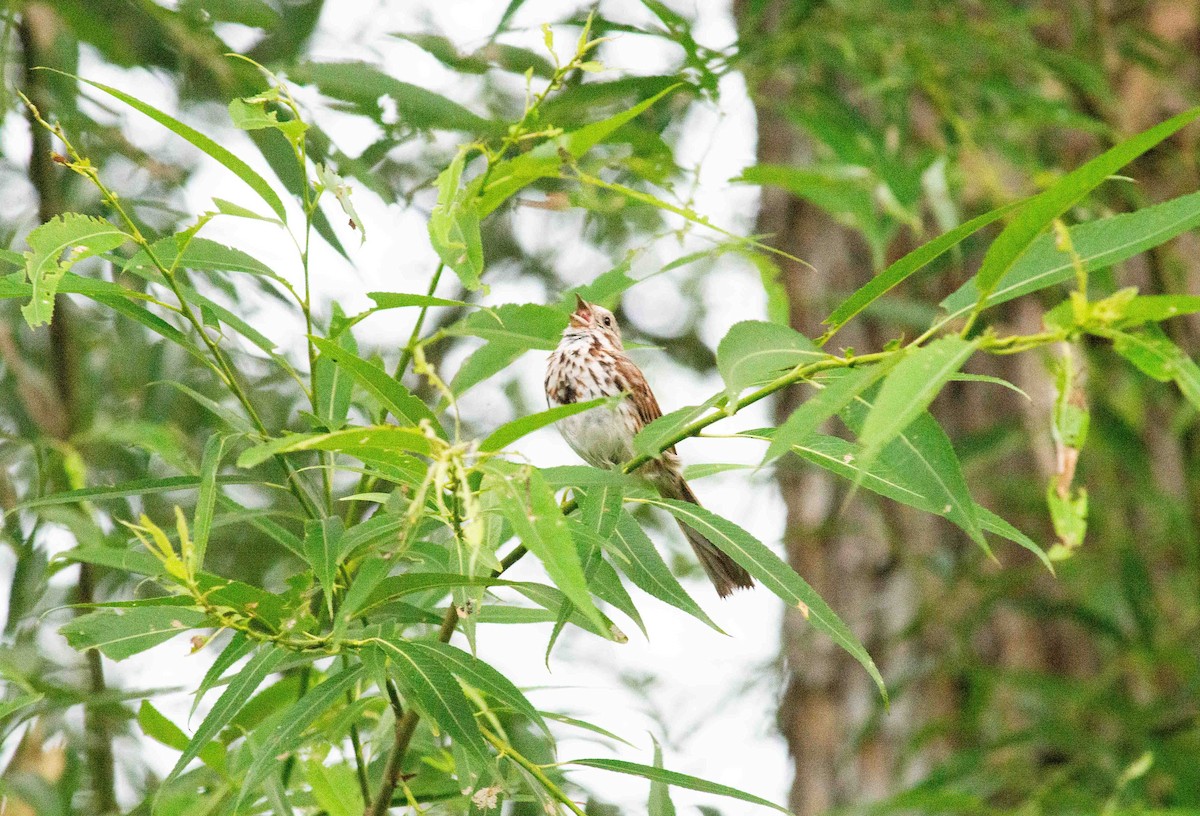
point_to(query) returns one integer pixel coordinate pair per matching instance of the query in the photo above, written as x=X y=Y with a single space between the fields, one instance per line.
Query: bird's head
x=589 y=317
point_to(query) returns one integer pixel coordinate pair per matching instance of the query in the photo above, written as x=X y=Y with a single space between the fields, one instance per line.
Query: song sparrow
x=590 y=362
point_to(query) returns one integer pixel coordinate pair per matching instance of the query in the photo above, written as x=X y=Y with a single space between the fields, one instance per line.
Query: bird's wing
x=631 y=379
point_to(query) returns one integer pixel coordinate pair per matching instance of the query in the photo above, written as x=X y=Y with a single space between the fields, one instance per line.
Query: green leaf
x=121 y=633
x=482 y=676
x=1099 y=244
x=754 y=352
x=529 y=505
x=1156 y=356
x=834 y=396
x=654 y=437
x=252 y=114
x=399 y=300
x=1155 y=308
x=198 y=253
x=397 y=586
x=584 y=725
x=600 y=506
x=510 y=432
x=10 y=707
x=483 y=363
x=323 y=550
x=367 y=577
x=674 y=778
x=454 y=225
x=386 y=437
x=137 y=487
x=363 y=84
x=393 y=396
x=45 y=265
x=660 y=803
x=526 y=326
x=774 y=574
x=286 y=739
x=994 y=524
x=239 y=168
x=1015 y=239
x=239 y=690
x=156 y=726
x=602 y=578
x=918 y=469
x=431 y=686
x=238 y=647
x=206 y=500
x=544 y=161
x=925 y=455
x=333 y=385
x=634 y=554
x=909 y=389
x=905 y=267
x=334 y=788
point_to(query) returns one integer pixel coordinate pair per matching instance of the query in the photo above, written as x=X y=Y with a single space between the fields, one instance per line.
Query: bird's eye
x=607 y=321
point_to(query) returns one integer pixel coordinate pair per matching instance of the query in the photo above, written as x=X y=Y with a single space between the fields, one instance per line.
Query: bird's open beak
x=582 y=314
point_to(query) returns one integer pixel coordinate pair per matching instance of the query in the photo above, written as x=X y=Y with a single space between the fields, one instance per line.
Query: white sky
x=718 y=694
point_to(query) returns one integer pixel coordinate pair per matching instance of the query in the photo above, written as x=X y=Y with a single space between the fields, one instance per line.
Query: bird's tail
x=725 y=573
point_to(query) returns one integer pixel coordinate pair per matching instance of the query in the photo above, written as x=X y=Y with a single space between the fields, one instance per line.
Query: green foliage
x=389 y=525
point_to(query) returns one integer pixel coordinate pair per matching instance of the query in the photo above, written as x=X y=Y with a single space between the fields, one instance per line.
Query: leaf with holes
x=79 y=236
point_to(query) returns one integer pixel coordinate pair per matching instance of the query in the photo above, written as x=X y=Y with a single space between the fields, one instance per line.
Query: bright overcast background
x=709 y=699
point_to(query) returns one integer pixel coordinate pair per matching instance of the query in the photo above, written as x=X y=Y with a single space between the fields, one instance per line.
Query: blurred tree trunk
x=865 y=557
x=844 y=552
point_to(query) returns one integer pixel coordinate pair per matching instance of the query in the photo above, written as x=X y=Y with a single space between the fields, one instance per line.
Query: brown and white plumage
x=589 y=363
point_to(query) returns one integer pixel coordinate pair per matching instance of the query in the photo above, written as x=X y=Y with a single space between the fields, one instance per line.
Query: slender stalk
x=533 y=769
x=406 y=722
x=407 y=354
x=365 y=481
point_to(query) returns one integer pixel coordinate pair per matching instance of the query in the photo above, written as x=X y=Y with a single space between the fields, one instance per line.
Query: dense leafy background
x=1001 y=675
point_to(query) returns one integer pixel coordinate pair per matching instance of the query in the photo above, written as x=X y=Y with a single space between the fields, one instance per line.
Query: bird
x=589 y=363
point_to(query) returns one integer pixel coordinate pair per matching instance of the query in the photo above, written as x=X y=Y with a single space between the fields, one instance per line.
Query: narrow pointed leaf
x=1036 y=216
x=431 y=686
x=482 y=676
x=836 y=394
x=301 y=714
x=397 y=399
x=206 y=500
x=510 y=432
x=536 y=518
x=238 y=647
x=399 y=300
x=679 y=780
x=239 y=168
x=236 y=694
x=1099 y=244
x=909 y=389
x=323 y=549
x=634 y=554
x=121 y=633
x=913 y=262
x=45 y=264
x=774 y=574
x=137 y=487
x=755 y=352
x=384 y=437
